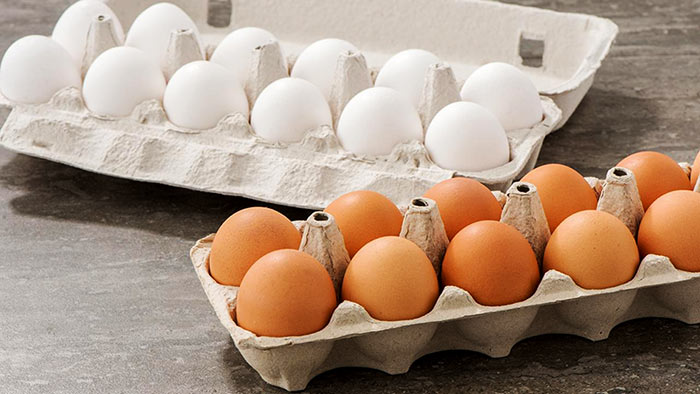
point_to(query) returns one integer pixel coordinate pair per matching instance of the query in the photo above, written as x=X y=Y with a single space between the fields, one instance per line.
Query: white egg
x=507 y=92
x=120 y=79
x=317 y=63
x=236 y=50
x=376 y=120
x=151 y=30
x=200 y=93
x=72 y=27
x=465 y=136
x=34 y=68
x=405 y=72
x=288 y=108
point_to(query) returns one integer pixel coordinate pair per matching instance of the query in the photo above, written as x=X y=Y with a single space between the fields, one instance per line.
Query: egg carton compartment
x=230 y=159
x=559 y=306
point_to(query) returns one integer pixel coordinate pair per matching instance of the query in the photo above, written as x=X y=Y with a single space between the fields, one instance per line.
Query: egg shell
x=467 y=137
x=151 y=30
x=72 y=27
x=318 y=62
x=120 y=79
x=245 y=237
x=671 y=227
x=34 y=68
x=656 y=174
x=507 y=92
x=363 y=216
x=392 y=279
x=405 y=72
x=235 y=51
x=594 y=248
x=463 y=201
x=376 y=120
x=285 y=293
x=562 y=190
x=493 y=262
x=200 y=93
x=695 y=172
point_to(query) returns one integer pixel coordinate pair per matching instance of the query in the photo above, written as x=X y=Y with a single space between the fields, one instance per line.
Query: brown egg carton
x=354 y=339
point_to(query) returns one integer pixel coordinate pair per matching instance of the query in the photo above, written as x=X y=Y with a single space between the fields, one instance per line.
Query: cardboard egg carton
x=354 y=339
x=230 y=159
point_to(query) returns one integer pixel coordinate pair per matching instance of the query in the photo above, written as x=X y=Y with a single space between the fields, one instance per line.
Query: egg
x=376 y=120
x=392 y=279
x=405 y=72
x=317 y=63
x=463 y=201
x=467 y=137
x=656 y=175
x=594 y=248
x=287 y=109
x=34 y=68
x=671 y=228
x=493 y=262
x=200 y=93
x=695 y=173
x=120 y=79
x=363 y=216
x=245 y=237
x=235 y=51
x=72 y=28
x=151 y=30
x=562 y=190
x=285 y=293
x=507 y=92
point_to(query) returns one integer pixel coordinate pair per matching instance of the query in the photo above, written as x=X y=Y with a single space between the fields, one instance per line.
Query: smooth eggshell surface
x=317 y=63
x=463 y=201
x=287 y=109
x=151 y=30
x=467 y=137
x=671 y=228
x=493 y=262
x=656 y=175
x=72 y=27
x=235 y=51
x=34 y=68
x=245 y=237
x=120 y=79
x=392 y=279
x=507 y=92
x=594 y=248
x=285 y=293
x=695 y=173
x=376 y=120
x=200 y=93
x=562 y=190
x=405 y=72
x=363 y=216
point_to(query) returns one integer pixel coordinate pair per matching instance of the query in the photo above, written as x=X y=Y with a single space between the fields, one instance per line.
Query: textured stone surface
x=97 y=293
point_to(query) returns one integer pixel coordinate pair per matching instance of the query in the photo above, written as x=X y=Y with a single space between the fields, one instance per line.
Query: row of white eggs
x=463 y=136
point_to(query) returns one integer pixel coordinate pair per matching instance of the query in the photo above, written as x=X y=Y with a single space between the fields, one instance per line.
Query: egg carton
x=230 y=159
x=354 y=339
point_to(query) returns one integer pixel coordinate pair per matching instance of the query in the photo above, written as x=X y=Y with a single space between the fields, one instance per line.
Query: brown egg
x=285 y=293
x=493 y=262
x=563 y=192
x=245 y=237
x=656 y=174
x=594 y=248
x=392 y=279
x=363 y=216
x=463 y=201
x=671 y=228
x=695 y=174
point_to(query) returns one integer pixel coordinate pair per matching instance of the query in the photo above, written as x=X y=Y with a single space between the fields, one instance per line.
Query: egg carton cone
x=457 y=322
x=230 y=159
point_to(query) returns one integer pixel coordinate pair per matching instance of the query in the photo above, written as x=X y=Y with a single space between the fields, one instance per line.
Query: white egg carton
x=230 y=159
x=354 y=339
